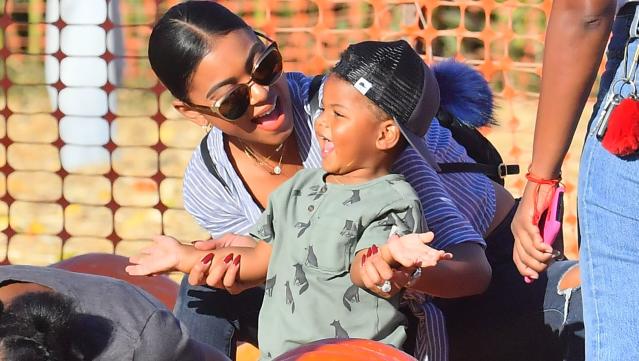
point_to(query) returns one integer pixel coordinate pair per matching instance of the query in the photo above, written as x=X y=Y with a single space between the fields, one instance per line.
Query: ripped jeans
x=513 y=320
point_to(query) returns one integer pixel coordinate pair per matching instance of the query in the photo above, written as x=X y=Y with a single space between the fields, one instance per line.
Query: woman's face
x=268 y=118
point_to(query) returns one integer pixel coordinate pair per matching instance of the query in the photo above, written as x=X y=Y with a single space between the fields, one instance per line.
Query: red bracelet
x=539 y=181
x=533 y=178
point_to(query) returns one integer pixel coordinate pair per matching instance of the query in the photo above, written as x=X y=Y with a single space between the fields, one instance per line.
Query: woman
x=226 y=76
x=577 y=34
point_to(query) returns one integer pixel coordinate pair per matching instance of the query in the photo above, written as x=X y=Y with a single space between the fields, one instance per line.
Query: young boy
x=320 y=226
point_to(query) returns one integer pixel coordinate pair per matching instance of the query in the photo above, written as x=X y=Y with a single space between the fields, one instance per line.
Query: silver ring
x=385 y=287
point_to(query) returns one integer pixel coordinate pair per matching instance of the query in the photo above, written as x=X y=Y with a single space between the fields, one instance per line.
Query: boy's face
x=347 y=129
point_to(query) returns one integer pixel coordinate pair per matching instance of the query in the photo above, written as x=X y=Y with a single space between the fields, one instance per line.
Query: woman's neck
x=263 y=150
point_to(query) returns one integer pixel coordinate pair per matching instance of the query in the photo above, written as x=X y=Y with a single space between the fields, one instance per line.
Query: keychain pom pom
x=622 y=135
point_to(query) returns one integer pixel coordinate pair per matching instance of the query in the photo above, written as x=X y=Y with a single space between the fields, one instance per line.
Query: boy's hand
x=412 y=250
x=225 y=240
x=162 y=256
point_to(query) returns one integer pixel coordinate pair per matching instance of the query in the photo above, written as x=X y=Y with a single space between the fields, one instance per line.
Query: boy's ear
x=389 y=135
x=189 y=113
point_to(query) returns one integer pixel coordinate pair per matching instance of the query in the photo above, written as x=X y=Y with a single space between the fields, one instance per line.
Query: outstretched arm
x=373 y=265
x=576 y=37
x=167 y=254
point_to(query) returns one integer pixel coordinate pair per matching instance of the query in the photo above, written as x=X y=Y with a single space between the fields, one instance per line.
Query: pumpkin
x=340 y=349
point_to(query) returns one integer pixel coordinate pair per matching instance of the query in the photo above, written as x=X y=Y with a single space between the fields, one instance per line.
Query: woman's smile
x=272 y=119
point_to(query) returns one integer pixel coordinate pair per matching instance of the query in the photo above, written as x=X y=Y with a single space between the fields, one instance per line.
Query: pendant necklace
x=274 y=170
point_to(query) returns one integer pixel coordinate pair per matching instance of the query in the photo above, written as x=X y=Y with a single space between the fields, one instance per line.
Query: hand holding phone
x=551 y=219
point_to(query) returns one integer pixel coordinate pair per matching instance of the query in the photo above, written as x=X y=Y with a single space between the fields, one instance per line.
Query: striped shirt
x=458 y=207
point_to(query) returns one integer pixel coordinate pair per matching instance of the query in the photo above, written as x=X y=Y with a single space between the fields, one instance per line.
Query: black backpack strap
x=498 y=172
x=488 y=160
x=208 y=162
x=313 y=94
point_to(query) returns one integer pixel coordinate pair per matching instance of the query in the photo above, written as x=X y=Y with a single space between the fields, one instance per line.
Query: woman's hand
x=530 y=254
x=374 y=271
x=162 y=256
x=218 y=273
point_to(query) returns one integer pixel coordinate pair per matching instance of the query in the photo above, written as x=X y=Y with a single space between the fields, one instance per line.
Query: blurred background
x=92 y=153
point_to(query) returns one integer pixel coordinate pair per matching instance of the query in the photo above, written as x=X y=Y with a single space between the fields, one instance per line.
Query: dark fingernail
x=236 y=261
x=369 y=252
x=374 y=249
x=363 y=259
x=207 y=258
x=228 y=258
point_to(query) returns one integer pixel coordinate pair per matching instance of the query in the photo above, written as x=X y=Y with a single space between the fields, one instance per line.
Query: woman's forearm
x=468 y=273
x=577 y=33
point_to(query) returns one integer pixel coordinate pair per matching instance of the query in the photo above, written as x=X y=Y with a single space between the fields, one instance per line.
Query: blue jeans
x=608 y=204
x=217 y=318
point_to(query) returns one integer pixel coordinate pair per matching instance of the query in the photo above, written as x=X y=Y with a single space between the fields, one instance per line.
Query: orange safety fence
x=92 y=153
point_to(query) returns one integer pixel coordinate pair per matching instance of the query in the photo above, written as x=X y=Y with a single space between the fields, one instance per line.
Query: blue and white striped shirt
x=458 y=207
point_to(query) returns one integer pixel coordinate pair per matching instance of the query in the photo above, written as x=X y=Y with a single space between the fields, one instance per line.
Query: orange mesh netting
x=92 y=153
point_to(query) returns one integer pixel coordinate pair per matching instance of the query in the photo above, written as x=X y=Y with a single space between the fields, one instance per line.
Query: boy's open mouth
x=326 y=145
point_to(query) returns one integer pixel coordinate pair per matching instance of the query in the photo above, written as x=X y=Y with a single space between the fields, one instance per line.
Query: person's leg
x=217 y=318
x=563 y=309
x=609 y=227
x=514 y=320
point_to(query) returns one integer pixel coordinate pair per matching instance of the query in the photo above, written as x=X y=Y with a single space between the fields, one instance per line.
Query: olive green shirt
x=315 y=230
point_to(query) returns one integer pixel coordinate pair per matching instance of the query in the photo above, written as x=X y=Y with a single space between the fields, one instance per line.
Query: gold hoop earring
x=207 y=127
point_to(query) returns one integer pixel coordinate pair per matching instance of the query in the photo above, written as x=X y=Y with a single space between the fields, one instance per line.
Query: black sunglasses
x=266 y=71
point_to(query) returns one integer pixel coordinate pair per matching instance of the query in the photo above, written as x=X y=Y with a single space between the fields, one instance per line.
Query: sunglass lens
x=235 y=103
x=269 y=68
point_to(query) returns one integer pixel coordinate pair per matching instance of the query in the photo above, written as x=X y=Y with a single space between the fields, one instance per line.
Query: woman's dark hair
x=182 y=37
x=38 y=326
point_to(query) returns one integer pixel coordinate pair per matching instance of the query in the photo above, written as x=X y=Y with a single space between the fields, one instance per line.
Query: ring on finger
x=385 y=287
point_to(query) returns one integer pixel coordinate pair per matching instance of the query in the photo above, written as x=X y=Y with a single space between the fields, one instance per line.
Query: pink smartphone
x=550 y=222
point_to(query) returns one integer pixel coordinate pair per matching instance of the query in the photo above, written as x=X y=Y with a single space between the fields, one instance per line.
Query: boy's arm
x=167 y=254
x=223 y=267
x=404 y=216
x=467 y=274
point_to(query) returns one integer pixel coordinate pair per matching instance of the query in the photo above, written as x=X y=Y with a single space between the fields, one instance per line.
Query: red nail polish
x=363 y=259
x=236 y=261
x=369 y=252
x=228 y=258
x=207 y=258
x=374 y=249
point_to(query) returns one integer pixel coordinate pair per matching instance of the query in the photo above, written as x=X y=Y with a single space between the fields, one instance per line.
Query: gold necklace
x=276 y=170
